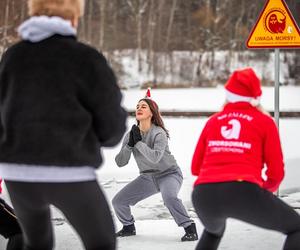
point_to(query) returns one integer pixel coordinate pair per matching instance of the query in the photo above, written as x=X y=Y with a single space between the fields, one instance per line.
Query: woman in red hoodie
x=231 y=153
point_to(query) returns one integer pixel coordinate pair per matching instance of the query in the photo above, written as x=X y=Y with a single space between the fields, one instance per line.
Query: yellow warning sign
x=275 y=28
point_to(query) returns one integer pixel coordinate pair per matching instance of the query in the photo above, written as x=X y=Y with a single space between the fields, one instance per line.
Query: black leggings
x=82 y=203
x=215 y=202
x=9 y=225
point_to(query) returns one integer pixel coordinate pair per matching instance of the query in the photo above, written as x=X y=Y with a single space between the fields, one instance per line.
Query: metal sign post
x=277 y=85
x=276 y=95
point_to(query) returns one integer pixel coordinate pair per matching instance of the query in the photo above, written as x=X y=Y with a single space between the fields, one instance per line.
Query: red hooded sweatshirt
x=236 y=144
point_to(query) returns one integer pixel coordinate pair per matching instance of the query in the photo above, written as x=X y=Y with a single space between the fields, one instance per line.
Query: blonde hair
x=66 y=9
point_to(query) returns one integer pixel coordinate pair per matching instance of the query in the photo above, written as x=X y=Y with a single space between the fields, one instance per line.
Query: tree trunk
x=102 y=23
x=239 y=22
x=141 y=11
x=5 y=28
x=23 y=10
x=90 y=22
x=171 y=19
x=150 y=35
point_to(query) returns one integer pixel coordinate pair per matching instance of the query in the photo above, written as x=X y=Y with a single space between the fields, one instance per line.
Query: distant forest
x=157 y=26
x=160 y=25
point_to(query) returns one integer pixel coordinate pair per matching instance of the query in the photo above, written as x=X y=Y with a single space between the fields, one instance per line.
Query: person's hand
x=136 y=133
x=131 y=141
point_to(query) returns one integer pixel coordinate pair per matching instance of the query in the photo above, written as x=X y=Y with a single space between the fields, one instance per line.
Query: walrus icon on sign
x=275 y=21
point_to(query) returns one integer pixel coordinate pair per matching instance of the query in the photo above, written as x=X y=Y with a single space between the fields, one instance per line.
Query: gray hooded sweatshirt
x=151 y=154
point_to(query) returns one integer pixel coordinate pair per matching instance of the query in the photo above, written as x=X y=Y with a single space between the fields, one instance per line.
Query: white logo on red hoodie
x=233 y=132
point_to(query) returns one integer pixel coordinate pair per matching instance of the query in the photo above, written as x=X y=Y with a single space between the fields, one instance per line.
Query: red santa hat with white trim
x=148 y=96
x=243 y=86
x=148 y=93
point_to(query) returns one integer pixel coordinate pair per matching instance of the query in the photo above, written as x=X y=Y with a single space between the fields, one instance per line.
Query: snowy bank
x=209 y=99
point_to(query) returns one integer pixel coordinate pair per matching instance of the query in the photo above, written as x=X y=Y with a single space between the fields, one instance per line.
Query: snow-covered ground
x=210 y=99
x=194 y=67
x=155 y=227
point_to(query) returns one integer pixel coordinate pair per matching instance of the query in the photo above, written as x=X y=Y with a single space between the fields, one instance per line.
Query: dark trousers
x=82 y=203
x=215 y=202
x=9 y=227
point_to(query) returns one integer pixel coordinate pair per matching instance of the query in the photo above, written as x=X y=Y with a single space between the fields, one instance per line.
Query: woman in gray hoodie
x=159 y=172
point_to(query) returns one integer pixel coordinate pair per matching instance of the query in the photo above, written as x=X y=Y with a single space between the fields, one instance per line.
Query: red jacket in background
x=234 y=146
x=0 y=186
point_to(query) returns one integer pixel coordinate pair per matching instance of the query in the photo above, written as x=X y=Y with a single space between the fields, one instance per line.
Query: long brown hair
x=156 y=117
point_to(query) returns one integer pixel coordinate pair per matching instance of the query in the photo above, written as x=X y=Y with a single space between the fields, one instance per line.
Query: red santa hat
x=243 y=86
x=148 y=96
x=148 y=93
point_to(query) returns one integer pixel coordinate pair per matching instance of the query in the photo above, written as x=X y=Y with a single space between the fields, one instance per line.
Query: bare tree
x=23 y=10
x=170 y=24
x=90 y=5
x=102 y=6
x=238 y=24
x=5 y=27
x=138 y=8
x=150 y=34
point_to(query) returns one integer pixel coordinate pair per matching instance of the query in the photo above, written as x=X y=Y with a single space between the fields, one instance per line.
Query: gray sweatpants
x=145 y=185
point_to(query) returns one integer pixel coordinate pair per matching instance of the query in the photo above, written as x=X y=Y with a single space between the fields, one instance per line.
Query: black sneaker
x=126 y=231
x=190 y=233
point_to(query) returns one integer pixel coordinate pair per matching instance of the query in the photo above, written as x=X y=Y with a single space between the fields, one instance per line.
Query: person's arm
x=198 y=156
x=273 y=158
x=123 y=157
x=104 y=102
x=154 y=154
